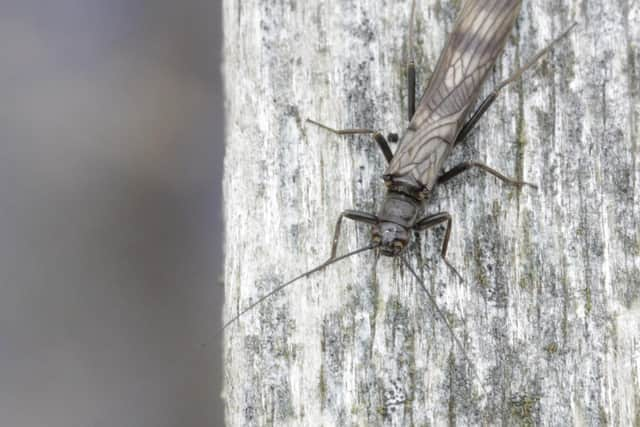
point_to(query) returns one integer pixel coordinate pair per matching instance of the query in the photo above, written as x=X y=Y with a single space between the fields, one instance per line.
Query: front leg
x=437 y=219
x=354 y=215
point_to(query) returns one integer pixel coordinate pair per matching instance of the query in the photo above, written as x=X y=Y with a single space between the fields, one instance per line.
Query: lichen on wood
x=549 y=310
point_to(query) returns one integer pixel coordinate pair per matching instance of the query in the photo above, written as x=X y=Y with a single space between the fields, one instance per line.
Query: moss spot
x=636 y=379
x=376 y=303
x=529 y=276
x=569 y=65
x=602 y=414
x=565 y=302
x=323 y=386
x=483 y=279
x=521 y=136
x=525 y=281
x=323 y=378
x=496 y=210
x=408 y=404
x=614 y=337
x=551 y=348
x=588 y=303
x=452 y=396
x=322 y=180
x=285 y=352
x=481 y=275
x=411 y=354
x=522 y=409
x=394 y=305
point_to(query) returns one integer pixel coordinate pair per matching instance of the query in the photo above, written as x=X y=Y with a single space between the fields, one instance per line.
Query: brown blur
x=111 y=144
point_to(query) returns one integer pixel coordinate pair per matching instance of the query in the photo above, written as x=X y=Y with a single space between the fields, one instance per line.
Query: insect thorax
x=397 y=216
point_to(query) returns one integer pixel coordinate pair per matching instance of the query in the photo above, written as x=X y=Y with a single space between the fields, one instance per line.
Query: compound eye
x=398 y=245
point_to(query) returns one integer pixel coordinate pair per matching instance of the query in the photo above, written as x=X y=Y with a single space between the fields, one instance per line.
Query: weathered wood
x=550 y=307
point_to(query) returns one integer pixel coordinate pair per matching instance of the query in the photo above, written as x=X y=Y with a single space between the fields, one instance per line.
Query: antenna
x=446 y=322
x=290 y=282
x=410 y=57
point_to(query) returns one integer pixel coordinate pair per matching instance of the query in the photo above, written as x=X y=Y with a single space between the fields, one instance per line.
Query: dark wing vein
x=478 y=37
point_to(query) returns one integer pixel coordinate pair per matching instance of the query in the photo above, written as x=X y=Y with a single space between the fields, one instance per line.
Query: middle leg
x=377 y=137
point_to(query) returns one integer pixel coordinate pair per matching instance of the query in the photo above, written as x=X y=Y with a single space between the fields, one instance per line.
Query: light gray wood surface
x=549 y=309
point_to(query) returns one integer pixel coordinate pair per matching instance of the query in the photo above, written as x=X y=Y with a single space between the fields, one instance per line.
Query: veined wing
x=478 y=37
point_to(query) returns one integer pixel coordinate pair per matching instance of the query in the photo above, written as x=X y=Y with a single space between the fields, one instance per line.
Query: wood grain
x=550 y=305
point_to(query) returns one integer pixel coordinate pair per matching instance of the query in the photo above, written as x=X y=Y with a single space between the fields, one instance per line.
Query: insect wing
x=477 y=39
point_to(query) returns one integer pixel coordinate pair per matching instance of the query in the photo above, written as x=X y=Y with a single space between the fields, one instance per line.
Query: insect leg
x=486 y=103
x=377 y=137
x=354 y=215
x=411 y=67
x=432 y=221
x=411 y=89
x=475 y=117
x=458 y=169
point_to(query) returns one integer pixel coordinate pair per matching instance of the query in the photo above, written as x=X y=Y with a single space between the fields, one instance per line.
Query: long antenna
x=290 y=282
x=410 y=57
x=516 y=75
x=446 y=322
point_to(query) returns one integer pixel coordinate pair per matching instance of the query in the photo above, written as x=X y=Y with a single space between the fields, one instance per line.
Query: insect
x=442 y=119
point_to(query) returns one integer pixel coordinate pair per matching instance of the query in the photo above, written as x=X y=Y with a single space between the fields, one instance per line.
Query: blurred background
x=111 y=147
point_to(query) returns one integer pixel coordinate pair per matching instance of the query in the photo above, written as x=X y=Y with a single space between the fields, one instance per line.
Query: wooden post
x=549 y=310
